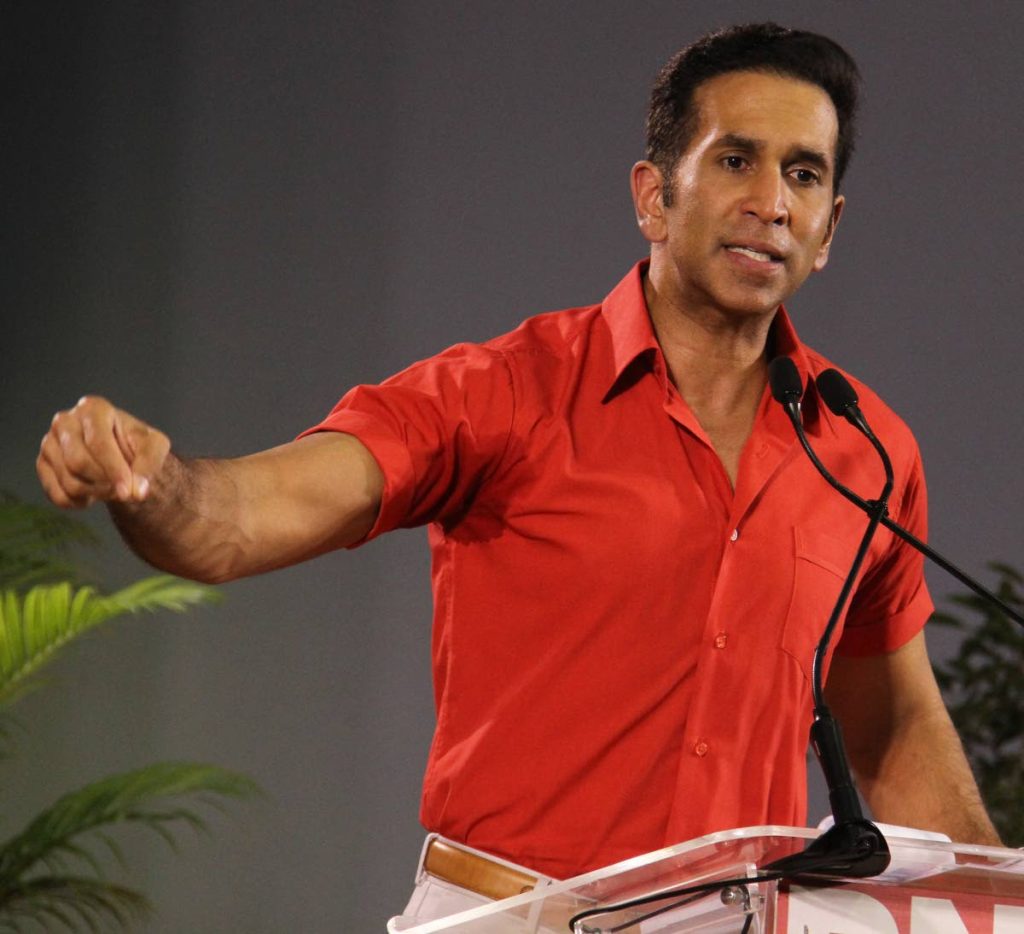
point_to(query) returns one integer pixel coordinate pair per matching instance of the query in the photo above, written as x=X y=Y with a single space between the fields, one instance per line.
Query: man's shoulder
x=586 y=334
x=540 y=351
x=553 y=333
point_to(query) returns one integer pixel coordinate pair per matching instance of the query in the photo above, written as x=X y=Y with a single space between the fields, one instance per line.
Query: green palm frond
x=33 y=543
x=35 y=625
x=52 y=874
x=34 y=878
x=141 y=796
x=76 y=903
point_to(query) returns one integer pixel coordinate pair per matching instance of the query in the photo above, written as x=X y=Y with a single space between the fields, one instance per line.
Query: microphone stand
x=853 y=846
x=827 y=742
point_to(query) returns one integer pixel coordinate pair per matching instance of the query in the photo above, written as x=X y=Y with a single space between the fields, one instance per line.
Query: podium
x=930 y=887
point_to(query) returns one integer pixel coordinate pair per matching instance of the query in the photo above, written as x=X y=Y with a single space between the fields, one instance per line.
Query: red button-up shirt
x=622 y=642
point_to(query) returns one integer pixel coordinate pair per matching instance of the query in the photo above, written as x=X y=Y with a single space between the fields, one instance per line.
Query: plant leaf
x=138 y=797
x=34 y=540
x=984 y=692
x=35 y=625
x=77 y=902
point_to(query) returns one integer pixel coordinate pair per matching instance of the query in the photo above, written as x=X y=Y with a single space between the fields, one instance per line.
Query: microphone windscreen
x=837 y=392
x=785 y=380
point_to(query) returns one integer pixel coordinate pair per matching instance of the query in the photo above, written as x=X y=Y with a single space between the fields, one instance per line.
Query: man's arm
x=909 y=761
x=212 y=520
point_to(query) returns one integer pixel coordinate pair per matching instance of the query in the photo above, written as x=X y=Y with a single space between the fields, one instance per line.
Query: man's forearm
x=906 y=754
x=190 y=524
x=211 y=520
x=924 y=780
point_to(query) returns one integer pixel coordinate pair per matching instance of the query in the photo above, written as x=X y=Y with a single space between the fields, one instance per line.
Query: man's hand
x=95 y=452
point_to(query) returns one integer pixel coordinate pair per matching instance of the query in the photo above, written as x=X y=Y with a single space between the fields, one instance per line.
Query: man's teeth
x=753 y=254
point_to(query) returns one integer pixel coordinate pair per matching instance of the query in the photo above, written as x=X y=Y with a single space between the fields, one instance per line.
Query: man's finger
x=150 y=448
x=96 y=418
x=67 y=446
x=60 y=492
x=78 y=483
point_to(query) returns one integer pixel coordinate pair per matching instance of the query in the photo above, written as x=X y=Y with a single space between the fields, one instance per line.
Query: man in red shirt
x=633 y=560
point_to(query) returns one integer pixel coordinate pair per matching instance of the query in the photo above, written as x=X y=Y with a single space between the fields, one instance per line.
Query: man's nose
x=767 y=198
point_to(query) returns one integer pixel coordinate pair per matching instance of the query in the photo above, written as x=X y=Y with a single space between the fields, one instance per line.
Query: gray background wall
x=221 y=215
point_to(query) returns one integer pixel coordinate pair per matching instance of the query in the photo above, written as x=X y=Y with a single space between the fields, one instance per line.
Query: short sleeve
x=437 y=430
x=892 y=603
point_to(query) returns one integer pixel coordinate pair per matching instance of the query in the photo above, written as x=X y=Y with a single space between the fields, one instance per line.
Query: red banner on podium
x=879 y=909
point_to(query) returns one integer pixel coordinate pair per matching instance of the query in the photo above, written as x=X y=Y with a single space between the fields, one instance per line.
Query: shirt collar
x=625 y=312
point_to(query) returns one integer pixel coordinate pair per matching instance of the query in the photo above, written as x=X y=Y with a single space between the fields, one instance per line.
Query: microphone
x=785 y=383
x=842 y=399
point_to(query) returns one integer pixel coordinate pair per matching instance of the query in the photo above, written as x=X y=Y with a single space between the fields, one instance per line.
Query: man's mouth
x=758 y=255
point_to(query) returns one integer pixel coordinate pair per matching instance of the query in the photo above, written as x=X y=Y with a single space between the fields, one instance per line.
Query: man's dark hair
x=766 y=47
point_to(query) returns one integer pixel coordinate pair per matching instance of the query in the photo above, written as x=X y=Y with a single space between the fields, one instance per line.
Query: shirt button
x=700 y=748
x=721 y=640
x=735 y=534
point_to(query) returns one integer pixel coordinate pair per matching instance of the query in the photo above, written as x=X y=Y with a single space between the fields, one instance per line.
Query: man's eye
x=805 y=176
x=734 y=162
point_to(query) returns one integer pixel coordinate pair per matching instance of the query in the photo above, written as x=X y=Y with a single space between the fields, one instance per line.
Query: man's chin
x=752 y=296
x=748 y=306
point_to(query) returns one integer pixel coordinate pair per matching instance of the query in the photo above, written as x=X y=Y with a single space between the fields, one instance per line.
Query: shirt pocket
x=820 y=564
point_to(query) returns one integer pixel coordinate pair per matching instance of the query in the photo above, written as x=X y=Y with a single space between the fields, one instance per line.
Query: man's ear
x=647 y=185
x=837 y=210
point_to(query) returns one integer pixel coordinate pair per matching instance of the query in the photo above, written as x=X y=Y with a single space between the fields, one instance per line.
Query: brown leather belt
x=474 y=872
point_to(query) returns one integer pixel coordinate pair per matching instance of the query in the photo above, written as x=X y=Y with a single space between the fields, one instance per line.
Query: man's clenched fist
x=95 y=452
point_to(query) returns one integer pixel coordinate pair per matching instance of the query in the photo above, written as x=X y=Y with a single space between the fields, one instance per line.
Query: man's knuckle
x=61 y=430
x=71 y=481
x=77 y=462
x=49 y=449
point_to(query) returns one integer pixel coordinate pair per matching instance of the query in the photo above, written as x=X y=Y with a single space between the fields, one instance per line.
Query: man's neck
x=718 y=362
x=708 y=351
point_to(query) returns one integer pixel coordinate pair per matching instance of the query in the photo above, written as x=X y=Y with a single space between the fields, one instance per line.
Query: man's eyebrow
x=736 y=141
x=813 y=156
